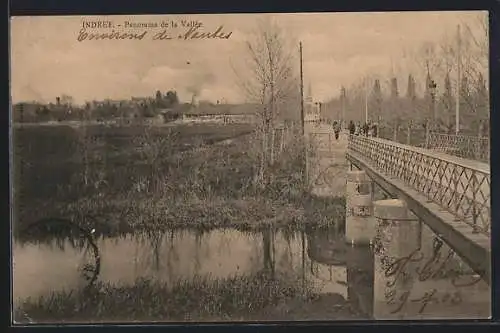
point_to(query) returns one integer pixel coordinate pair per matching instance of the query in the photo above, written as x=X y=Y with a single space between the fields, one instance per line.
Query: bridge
x=450 y=194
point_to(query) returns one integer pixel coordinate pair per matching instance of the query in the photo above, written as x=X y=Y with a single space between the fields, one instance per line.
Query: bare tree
x=152 y=147
x=439 y=61
x=356 y=94
x=476 y=36
x=473 y=59
x=269 y=79
x=473 y=51
x=361 y=98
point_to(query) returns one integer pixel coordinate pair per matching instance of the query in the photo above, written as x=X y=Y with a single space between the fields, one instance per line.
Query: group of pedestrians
x=367 y=129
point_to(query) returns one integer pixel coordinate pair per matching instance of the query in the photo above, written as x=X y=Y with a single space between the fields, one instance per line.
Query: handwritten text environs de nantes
x=194 y=32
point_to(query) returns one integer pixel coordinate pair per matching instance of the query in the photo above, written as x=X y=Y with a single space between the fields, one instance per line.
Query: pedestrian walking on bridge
x=365 y=129
x=351 y=127
x=336 y=129
x=375 y=130
x=358 y=129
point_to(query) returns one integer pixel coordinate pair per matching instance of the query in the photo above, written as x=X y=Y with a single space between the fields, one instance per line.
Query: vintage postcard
x=250 y=167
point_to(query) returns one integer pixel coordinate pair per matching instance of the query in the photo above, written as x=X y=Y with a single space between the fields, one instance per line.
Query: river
x=353 y=274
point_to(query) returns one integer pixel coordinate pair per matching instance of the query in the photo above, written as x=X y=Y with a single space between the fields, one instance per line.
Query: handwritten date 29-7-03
x=399 y=300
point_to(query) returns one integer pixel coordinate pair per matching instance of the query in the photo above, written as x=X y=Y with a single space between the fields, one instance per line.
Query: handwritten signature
x=432 y=268
x=191 y=33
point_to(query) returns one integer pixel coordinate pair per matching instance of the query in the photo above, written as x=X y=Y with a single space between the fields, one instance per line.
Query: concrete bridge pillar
x=397 y=228
x=360 y=225
x=397 y=253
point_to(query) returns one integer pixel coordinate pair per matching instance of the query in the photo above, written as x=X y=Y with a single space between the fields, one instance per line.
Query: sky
x=338 y=49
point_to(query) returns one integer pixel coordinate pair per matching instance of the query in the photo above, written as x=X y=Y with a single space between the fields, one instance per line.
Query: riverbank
x=239 y=298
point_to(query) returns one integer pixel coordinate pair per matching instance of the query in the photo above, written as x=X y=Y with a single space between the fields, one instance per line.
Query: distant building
x=221 y=113
x=170 y=114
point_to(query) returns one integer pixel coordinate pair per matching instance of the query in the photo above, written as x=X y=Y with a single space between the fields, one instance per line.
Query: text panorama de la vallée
x=167 y=30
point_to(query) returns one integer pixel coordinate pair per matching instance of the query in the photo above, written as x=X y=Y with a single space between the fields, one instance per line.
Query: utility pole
x=301 y=91
x=344 y=106
x=459 y=69
x=343 y=97
x=432 y=88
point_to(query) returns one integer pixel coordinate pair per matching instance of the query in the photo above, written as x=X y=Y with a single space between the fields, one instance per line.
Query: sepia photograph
x=250 y=167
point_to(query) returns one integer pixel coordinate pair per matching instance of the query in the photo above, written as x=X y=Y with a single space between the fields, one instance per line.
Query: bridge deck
x=474 y=248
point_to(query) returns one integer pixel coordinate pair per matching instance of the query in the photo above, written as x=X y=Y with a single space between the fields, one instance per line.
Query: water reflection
x=176 y=255
x=338 y=273
x=344 y=269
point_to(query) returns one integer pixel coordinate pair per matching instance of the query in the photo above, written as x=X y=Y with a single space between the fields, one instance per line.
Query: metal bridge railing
x=459 y=186
x=465 y=146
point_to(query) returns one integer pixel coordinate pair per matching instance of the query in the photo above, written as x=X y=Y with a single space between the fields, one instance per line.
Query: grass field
x=61 y=142
x=159 y=178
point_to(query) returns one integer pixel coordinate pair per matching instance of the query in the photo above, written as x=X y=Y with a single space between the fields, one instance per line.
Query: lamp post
x=21 y=112
x=317 y=112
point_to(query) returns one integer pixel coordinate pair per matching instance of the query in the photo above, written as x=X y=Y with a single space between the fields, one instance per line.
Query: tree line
x=432 y=76
x=64 y=109
x=438 y=108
